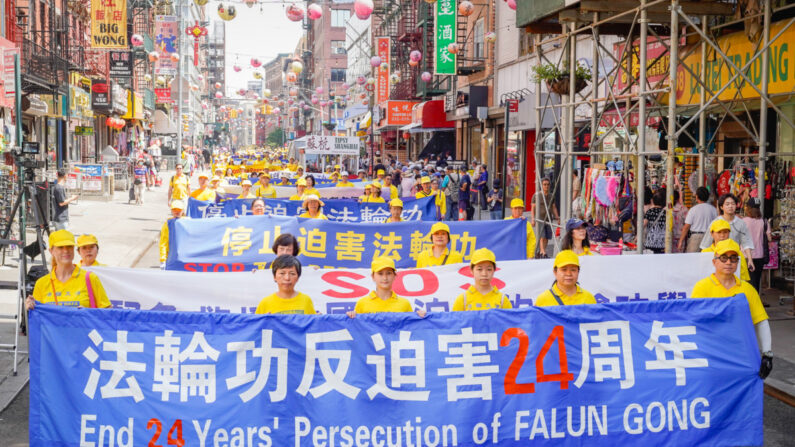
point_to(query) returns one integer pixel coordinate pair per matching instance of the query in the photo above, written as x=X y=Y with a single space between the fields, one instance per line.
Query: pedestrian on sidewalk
x=61 y=217
x=450 y=185
x=482 y=186
x=465 y=208
x=697 y=222
x=543 y=209
x=494 y=201
x=757 y=227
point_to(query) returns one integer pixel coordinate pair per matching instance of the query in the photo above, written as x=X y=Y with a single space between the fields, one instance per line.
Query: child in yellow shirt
x=286 y=271
x=483 y=295
x=383 y=298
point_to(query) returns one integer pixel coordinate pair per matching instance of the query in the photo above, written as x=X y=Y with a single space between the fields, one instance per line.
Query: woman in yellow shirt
x=393 y=191
x=375 y=194
x=88 y=248
x=67 y=284
x=310 y=186
x=264 y=188
x=246 y=194
x=312 y=205
x=177 y=210
x=441 y=203
x=395 y=211
x=345 y=182
x=565 y=290
x=204 y=193
x=576 y=238
x=300 y=190
x=286 y=300
x=383 y=298
x=363 y=198
x=483 y=295
x=439 y=254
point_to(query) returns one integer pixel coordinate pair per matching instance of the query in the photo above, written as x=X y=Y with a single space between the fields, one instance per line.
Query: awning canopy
x=431 y=114
x=410 y=126
x=163 y=125
x=440 y=143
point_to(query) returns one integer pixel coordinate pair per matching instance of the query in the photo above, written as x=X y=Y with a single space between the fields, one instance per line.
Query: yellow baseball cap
x=265 y=174
x=178 y=205
x=87 y=239
x=300 y=182
x=336 y=166
x=566 y=257
x=517 y=203
x=62 y=238
x=380 y=172
x=483 y=255
x=425 y=180
x=382 y=262
x=376 y=185
x=203 y=175
x=726 y=246
x=719 y=225
x=440 y=226
x=396 y=202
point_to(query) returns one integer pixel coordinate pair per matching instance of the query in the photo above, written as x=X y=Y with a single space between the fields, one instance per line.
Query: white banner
x=332 y=192
x=609 y=278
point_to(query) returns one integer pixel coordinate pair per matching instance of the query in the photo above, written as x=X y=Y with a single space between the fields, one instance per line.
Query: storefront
x=429 y=129
x=136 y=134
x=394 y=115
x=81 y=120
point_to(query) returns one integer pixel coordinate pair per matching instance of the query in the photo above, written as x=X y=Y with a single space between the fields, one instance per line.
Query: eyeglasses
x=734 y=259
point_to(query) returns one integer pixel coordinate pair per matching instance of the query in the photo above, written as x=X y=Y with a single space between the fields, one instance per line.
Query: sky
x=262 y=31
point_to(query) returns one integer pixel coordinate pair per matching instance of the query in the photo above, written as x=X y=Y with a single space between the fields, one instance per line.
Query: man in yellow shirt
x=177 y=210
x=246 y=194
x=204 y=193
x=67 y=284
x=286 y=272
x=345 y=182
x=383 y=298
x=264 y=188
x=483 y=295
x=439 y=253
x=395 y=211
x=393 y=191
x=179 y=185
x=720 y=231
x=425 y=182
x=725 y=284
x=565 y=290
x=517 y=210
x=215 y=185
x=88 y=248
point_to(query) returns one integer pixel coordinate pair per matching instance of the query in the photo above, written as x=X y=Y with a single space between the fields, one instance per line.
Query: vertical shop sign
x=444 y=35
x=166 y=44
x=108 y=24
x=382 y=90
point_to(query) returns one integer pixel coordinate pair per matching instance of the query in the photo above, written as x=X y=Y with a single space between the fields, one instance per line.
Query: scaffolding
x=688 y=31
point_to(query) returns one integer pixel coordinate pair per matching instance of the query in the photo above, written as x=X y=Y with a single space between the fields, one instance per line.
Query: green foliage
x=275 y=138
x=550 y=73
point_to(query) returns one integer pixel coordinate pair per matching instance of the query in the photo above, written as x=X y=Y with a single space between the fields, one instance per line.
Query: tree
x=276 y=137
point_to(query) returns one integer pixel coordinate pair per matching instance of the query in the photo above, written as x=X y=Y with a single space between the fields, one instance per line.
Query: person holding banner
x=286 y=272
x=565 y=291
x=88 y=248
x=375 y=194
x=177 y=211
x=264 y=188
x=393 y=191
x=312 y=205
x=395 y=211
x=299 y=172
x=517 y=212
x=67 y=284
x=310 y=186
x=719 y=230
x=425 y=182
x=204 y=193
x=725 y=284
x=483 y=295
x=441 y=203
x=246 y=194
x=178 y=186
x=215 y=185
x=363 y=198
x=576 y=238
x=300 y=190
x=344 y=183
x=383 y=298
x=439 y=253
x=258 y=207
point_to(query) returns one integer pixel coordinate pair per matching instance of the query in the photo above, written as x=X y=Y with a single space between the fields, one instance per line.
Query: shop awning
x=431 y=115
x=163 y=125
x=410 y=126
x=365 y=122
x=431 y=129
x=440 y=143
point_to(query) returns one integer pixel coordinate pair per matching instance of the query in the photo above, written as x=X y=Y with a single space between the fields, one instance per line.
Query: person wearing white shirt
x=697 y=222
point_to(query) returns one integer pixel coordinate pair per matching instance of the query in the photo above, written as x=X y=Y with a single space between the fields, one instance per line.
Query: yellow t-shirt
x=531 y=240
x=580 y=297
x=710 y=287
x=319 y=216
x=273 y=304
x=371 y=199
x=389 y=220
x=164 y=241
x=95 y=264
x=426 y=258
x=206 y=195
x=344 y=184
x=265 y=191
x=247 y=196
x=393 y=192
x=179 y=187
x=441 y=203
x=745 y=275
x=309 y=191
x=297 y=197
x=73 y=292
x=423 y=194
x=472 y=299
x=372 y=304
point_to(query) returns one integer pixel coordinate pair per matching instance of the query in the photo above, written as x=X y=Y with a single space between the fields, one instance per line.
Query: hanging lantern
x=512 y=4
x=314 y=11
x=425 y=76
x=297 y=67
x=280 y=103
x=453 y=48
x=226 y=12
x=415 y=55
x=109 y=122
x=294 y=12
x=266 y=92
x=148 y=77
x=174 y=57
x=219 y=95
x=345 y=86
x=250 y=3
x=241 y=92
x=305 y=107
x=375 y=61
x=194 y=87
x=406 y=135
x=361 y=80
x=323 y=103
x=290 y=102
x=277 y=110
x=204 y=106
x=466 y=8
x=384 y=66
x=161 y=80
x=490 y=37
x=291 y=77
x=236 y=68
x=363 y=9
x=255 y=62
x=153 y=56
x=137 y=40
x=218 y=86
x=293 y=91
x=370 y=81
x=200 y=78
x=365 y=101
x=319 y=90
x=414 y=63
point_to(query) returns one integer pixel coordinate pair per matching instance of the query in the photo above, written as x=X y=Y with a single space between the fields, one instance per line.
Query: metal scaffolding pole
x=763 y=100
x=669 y=163
x=640 y=148
x=702 y=116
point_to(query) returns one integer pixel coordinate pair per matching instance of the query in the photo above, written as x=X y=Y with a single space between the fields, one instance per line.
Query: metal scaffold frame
x=697 y=27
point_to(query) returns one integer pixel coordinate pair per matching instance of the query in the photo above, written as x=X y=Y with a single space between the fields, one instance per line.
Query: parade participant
x=395 y=211
x=375 y=194
x=383 y=298
x=393 y=191
x=177 y=211
x=310 y=186
x=565 y=290
x=264 y=188
x=727 y=207
x=285 y=244
x=725 y=284
x=439 y=253
x=219 y=172
x=88 y=248
x=284 y=181
x=337 y=169
x=363 y=197
x=292 y=166
x=286 y=272
x=334 y=178
x=380 y=174
x=229 y=177
x=517 y=212
x=258 y=207
x=719 y=230
x=299 y=172
x=67 y=284
x=426 y=188
x=215 y=185
x=697 y=222
x=246 y=194
x=441 y=203
x=576 y=238
x=300 y=188
x=344 y=182
x=312 y=205
x=178 y=186
x=482 y=295
x=204 y=193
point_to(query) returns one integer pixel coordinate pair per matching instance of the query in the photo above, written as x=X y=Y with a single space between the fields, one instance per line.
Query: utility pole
x=179 y=81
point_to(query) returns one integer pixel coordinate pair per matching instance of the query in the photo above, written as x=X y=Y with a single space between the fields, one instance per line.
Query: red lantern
x=406 y=135
x=109 y=122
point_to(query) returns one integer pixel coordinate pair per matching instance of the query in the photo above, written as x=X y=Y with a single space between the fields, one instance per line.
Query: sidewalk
x=781 y=382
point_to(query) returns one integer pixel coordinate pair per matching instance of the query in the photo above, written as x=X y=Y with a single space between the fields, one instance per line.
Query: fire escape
x=438 y=85
x=470 y=61
x=44 y=63
x=141 y=22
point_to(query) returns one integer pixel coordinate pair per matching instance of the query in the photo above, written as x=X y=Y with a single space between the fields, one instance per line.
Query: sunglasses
x=734 y=259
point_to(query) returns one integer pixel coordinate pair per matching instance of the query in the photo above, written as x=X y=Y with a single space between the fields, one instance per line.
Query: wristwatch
x=767 y=354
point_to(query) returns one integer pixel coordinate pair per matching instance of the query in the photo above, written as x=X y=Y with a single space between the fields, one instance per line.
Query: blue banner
x=337 y=210
x=655 y=373
x=239 y=244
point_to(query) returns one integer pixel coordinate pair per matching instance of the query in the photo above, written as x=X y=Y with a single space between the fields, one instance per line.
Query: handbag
x=91 y=298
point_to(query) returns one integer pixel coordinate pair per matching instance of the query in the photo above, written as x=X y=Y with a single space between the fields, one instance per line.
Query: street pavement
x=128 y=235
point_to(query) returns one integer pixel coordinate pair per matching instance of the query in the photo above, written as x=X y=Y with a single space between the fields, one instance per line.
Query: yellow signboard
x=781 y=72
x=135 y=106
x=109 y=24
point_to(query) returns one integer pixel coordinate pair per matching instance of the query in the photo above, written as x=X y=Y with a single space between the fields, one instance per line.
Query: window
x=338 y=47
x=525 y=42
x=337 y=75
x=339 y=17
x=479 y=50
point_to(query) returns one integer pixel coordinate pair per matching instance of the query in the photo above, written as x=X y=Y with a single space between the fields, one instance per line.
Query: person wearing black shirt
x=61 y=216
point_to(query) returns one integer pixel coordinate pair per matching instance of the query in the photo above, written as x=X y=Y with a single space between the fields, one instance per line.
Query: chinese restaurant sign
x=109 y=24
x=444 y=35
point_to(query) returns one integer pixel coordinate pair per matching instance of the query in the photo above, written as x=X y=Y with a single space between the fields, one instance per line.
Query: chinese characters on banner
x=166 y=43
x=398 y=113
x=634 y=373
x=163 y=96
x=445 y=34
x=383 y=51
x=109 y=24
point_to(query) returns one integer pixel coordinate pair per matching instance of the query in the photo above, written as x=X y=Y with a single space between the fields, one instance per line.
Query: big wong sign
x=109 y=24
